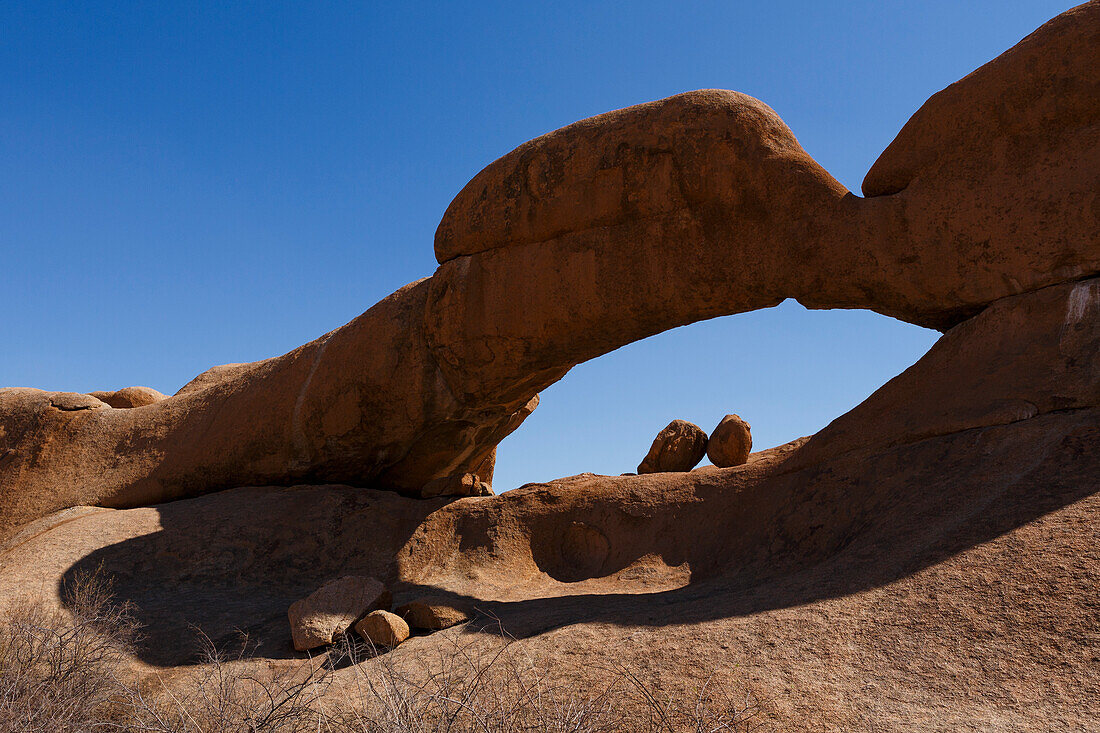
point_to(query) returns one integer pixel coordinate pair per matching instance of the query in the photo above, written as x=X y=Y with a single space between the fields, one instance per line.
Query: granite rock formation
x=928 y=560
x=678 y=447
x=646 y=215
x=947 y=523
x=730 y=442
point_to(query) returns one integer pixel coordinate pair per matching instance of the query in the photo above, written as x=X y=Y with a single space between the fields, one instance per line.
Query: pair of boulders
x=385 y=629
x=681 y=445
x=328 y=612
x=362 y=603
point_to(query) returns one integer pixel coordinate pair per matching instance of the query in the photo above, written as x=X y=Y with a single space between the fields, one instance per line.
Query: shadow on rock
x=233 y=562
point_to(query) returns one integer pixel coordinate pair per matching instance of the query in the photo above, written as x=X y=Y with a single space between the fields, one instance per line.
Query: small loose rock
x=383 y=628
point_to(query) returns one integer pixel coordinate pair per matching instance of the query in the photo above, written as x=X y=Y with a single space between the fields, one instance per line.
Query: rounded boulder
x=330 y=610
x=129 y=397
x=432 y=613
x=383 y=628
x=679 y=447
x=730 y=443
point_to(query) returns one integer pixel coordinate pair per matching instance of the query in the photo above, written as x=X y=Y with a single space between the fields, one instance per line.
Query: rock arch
x=596 y=235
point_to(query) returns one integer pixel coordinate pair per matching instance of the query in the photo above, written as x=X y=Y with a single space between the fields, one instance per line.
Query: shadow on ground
x=234 y=562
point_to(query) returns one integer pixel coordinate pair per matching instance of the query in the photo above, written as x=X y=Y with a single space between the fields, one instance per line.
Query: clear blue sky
x=189 y=184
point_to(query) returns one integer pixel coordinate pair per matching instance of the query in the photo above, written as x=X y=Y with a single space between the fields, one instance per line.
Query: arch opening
x=789 y=371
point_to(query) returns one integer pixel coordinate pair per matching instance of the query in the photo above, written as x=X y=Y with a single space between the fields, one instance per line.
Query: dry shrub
x=62 y=672
x=58 y=669
x=226 y=693
x=465 y=685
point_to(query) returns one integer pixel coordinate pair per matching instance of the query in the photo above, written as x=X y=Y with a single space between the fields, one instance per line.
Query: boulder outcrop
x=678 y=447
x=730 y=442
x=330 y=610
x=128 y=397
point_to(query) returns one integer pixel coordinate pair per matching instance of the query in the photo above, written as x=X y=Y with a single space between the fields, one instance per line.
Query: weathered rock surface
x=364 y=402
x=330 y=610
x=73 y=401
x=128 y=397
x=678 y=447
x=929 y=560
x=466 y=484
x=647 y=217
x=730 y=443
x=886 y=578
x=993 y=158
x=584 y=550
x=432 y=613
x=1026 y=356
x=382 y=628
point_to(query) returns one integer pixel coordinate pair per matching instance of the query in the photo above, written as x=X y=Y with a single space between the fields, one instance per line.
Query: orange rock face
x=646 y=218
x=949 y=522
x=929 y=560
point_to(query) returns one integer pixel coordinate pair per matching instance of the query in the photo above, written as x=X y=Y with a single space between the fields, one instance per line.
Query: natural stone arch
x=594 y=236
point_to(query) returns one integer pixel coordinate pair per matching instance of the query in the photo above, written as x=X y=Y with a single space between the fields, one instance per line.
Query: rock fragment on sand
x=330 y=610
x=383 y=628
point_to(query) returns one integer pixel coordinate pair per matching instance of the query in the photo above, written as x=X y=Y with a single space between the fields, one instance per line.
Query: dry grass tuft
x=63 y=672
x=226 y=693
x=58 y=670
x=470 y=686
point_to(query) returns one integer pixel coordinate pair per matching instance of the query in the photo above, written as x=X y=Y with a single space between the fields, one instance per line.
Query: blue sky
x=189 y=184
